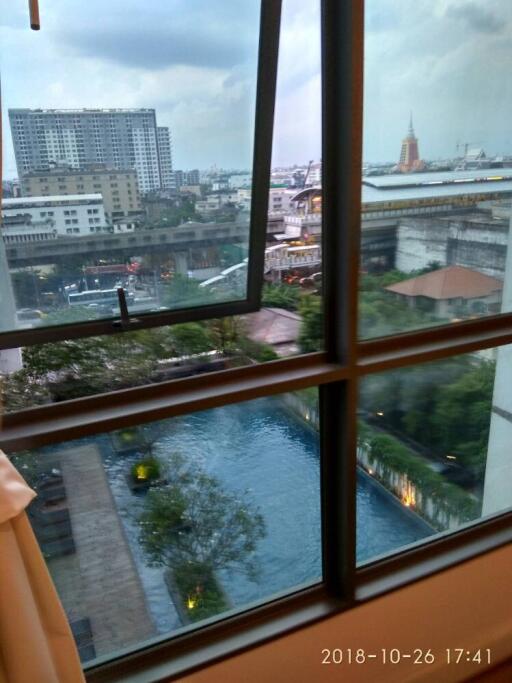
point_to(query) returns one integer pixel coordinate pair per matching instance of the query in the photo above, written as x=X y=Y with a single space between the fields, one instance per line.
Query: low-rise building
x=119 y=189
x=194 y=190
x=214 y=202
x=451 y=292
x=279 y=199
x=35 y=218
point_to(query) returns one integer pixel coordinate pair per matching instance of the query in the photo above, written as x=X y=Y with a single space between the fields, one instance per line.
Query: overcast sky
x=194 y=61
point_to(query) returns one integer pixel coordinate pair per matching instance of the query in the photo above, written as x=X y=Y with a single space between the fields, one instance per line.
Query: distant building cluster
x=186 y=179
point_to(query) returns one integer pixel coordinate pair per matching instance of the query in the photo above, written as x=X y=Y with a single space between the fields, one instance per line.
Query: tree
x=381 y=313
x=226 y=333
x=194 y=522
x=20 y=390
x=190 y=338
x=311 y=330
x=461 y=418
x=281 y=296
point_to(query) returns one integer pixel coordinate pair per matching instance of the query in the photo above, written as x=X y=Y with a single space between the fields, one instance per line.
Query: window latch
x=123 y=310
x=33 y=8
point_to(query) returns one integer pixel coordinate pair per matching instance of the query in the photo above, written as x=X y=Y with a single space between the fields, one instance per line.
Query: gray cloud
x=158 y=34
x=447 y=60
x=159 y=47
x=475 y=17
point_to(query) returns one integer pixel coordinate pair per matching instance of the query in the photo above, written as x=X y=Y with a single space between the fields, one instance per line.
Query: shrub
x=146 y=470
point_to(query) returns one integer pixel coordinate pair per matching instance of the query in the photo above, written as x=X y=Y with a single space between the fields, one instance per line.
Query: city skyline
x=202 y=88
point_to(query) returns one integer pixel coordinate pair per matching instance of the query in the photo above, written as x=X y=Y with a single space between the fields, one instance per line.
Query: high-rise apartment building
x=118 y=138
x=165 y=156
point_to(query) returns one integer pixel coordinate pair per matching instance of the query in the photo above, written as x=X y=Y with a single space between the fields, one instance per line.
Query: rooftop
x=82 y=111
x=413 y=186
x=449 y=283
x=274 y=326
x=74 y=171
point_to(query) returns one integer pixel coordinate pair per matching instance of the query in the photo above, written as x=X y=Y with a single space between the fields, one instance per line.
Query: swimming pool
x=261 y=452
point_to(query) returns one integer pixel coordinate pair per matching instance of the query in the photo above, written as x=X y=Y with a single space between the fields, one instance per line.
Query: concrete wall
x=478 y=254
x=420 y=241
x=478 y=245
x=498 y=471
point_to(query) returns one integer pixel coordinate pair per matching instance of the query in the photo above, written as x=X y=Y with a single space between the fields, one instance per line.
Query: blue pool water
x=261 y=452
x=264 y=454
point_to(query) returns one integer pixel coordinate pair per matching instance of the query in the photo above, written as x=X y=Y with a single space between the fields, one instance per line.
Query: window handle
x=123 y=308
x=33 y=8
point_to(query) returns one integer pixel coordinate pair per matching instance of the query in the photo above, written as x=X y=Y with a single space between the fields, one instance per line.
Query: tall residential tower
x=118 y=138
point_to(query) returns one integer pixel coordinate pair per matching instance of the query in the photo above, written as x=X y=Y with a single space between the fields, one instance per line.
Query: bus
x=97 y=297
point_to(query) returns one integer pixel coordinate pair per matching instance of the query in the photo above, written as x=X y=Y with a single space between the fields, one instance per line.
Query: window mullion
x=342 y=73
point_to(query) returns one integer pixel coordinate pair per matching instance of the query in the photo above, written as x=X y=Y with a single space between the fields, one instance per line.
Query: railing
x=310 y=219
x=291 y=261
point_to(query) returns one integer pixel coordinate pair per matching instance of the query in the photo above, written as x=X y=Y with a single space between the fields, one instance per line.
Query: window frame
x=336 y=372
x=266 y=80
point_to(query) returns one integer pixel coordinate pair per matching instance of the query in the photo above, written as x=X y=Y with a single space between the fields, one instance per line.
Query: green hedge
x=209 y=600
x=394 y=456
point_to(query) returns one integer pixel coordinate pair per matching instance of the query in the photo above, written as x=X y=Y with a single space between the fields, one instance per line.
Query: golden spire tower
x=409 y=154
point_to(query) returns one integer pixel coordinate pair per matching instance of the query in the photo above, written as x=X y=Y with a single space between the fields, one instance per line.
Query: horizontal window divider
x=170 y=659
x=95 y=328
x=432 y=344
x=81 y=417
x=430 y=557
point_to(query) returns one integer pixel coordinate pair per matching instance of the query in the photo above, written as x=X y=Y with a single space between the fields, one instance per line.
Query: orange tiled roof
x=449 y=283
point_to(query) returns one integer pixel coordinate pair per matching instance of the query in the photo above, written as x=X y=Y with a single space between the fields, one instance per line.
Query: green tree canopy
x=193 y=521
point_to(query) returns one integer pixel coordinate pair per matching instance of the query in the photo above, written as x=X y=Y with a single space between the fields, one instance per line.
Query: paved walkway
x=100 y=580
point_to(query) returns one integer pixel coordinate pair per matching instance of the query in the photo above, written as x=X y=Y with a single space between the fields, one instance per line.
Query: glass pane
x=437 y=176
x=290 y=321
x=128 y=160
x=433 y=449
x=151 y=529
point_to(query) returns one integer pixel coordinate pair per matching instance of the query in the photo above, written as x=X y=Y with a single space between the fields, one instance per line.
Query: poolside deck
x=100 y=581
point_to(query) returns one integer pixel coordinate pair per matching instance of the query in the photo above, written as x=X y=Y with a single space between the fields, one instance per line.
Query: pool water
x=269 y=459
x=261 y=452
